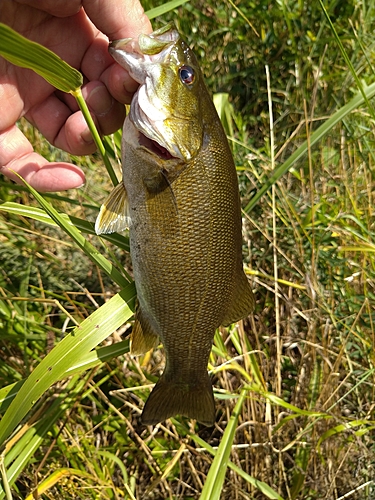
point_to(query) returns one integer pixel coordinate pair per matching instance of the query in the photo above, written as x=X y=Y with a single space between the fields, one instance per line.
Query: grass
x=294 y=383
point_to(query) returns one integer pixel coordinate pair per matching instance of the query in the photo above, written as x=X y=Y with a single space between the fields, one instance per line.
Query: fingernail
x=100 y=101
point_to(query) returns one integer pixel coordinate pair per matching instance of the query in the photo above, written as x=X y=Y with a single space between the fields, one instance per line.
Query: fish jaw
x=136 y=54
x=164 y=109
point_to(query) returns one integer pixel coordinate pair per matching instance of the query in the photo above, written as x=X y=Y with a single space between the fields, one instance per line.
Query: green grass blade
x=117 y=461
x=40 y=215
x=21 y=452
x=280 y=402
x=225 y=111
x=4 y=478
x=95 y=134
x=73 y=232
x=341 y=428
x=68 y=353
x=9 y=186
x=264 y=488
x=22 y=52
x=87 y=361
x=215 y=479
x=164 y=8
x=322 y=131
x=363 y=247
x=347 y=60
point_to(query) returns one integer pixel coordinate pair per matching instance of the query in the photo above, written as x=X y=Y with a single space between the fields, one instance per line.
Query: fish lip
x=151 y=44
x=136 y=54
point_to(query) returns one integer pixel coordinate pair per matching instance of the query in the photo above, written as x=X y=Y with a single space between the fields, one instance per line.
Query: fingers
x=45 y=176
x=118 y=18
x=63 y=125
x=115 y=18
x=108 y=112
x=59 y=8
x=119 y=83
x=98 y=64
x=17 y=155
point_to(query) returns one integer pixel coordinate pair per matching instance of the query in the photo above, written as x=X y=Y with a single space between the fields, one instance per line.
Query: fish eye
x=187 y=75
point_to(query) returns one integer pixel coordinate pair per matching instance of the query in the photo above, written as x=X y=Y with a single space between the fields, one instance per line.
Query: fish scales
x=185 y=242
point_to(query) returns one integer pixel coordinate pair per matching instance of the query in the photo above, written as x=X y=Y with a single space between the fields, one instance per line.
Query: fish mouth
x=147 y=48
x=143 y=58
x=154 y=147
x=138 y=55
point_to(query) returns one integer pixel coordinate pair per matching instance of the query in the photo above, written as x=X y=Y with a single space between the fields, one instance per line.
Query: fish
x=180 y=200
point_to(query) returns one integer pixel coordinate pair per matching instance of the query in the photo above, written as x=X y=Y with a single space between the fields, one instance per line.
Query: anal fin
x=114 y=213
x=143 y=337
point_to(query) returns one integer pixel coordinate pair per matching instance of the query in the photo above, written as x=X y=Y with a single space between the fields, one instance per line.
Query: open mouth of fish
x=154 y=147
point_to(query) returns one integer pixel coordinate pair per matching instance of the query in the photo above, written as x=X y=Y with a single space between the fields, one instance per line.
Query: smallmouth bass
x=179 y=198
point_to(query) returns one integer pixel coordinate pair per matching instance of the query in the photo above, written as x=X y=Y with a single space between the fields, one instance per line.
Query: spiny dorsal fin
x=114 y=213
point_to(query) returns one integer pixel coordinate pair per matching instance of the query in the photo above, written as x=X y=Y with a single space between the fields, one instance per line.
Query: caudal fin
x=169 y=399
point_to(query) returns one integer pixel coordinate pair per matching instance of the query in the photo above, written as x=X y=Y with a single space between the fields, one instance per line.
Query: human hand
x=79 y=36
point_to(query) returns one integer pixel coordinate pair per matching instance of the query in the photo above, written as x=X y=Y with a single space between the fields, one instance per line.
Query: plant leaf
x=23 y=52
x=260 y=485
x=341 y=428
x=164 y=8
x=86 y=361
x=322 y=131
x=68 y=353
x=83 y=225
x=215 y=478
x=73 y=232
x=29 y=439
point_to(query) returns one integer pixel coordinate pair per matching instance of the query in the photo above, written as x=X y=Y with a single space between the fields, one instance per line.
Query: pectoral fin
x=143 y=337
x=114 y=213
x=242 y=301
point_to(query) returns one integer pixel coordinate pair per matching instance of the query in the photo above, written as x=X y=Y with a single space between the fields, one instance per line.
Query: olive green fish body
x=185 y=238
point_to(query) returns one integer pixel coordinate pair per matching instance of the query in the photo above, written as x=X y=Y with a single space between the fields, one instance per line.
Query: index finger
x=115 y=18
x=118 y=18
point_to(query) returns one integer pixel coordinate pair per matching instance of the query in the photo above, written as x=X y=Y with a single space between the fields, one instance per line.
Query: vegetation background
x=295 y=382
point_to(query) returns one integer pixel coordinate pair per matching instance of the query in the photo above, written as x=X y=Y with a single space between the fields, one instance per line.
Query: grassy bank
x=294 y=383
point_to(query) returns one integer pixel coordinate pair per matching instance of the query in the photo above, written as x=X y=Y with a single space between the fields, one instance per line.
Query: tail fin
x=169 y=399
